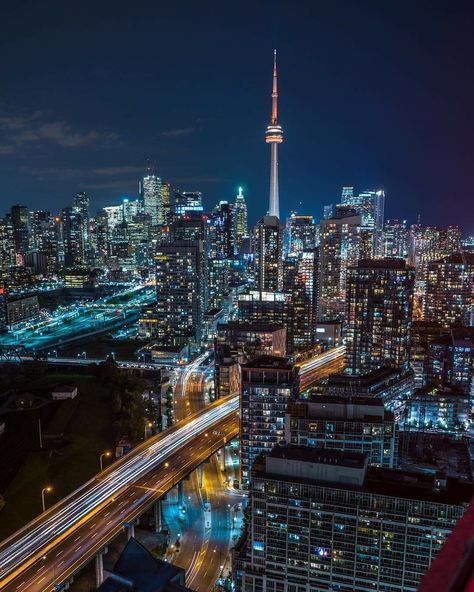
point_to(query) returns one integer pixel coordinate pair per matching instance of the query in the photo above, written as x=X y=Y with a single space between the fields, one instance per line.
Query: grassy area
x=86 y=424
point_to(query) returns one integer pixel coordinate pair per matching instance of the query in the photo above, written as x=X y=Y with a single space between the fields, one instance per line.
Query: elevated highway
x=45 y=553
x=49 y=550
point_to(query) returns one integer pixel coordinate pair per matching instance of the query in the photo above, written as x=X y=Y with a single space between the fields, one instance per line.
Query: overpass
x=49 y=550
x=311 y=370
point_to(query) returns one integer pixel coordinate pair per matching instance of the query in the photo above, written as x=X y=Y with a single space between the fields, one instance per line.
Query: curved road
x=59 y=542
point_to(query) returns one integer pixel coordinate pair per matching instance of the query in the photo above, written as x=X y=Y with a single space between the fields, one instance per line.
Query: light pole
x=107 y=454
x=147 y=425
x=47 y=489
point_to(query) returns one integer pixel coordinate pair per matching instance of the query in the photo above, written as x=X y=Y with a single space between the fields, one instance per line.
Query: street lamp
x=107 y=454
x=47 y=489
x=147 y=425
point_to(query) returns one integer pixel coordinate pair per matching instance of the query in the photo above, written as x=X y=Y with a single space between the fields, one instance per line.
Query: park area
x=75 y=433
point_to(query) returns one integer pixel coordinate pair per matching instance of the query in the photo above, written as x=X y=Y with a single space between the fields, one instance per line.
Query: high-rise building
x=339 y=248
x=396 y=239
x=449 y=297
x=255 y=306
x=150 y=190
x=166 y=202
x=268 y=385
x=19 y=221
x=358 y=424
x=449 y=361
x=7 y=248
x=222 y=230
x=393 y=386
x=430 y=243
x=81 y=204
x=73 y=233
x=187 y=201
x=44 y=243
x=379 y=315
x=300 y=277
x=268 y=241
x=236 y=343
x=240 y=219
x=180 y=291
x=370 y=205
x=274 y=136
x=301 y=234
x=324 y=520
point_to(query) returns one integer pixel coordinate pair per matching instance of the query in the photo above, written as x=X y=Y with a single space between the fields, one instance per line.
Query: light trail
x=184 y=446
x=36 y=539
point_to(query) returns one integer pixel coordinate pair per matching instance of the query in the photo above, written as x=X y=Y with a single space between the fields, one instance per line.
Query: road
x=320 y=366
x=202 y=551
x=59 y=542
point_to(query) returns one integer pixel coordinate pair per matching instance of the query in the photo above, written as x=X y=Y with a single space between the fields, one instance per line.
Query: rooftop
x=364 y=380
x=271 y=362
x=386 y=263
x=312 y=454
x=250 y=327
x=379 y=481
x=355 y=400
x=64 y=388
x=136 y=569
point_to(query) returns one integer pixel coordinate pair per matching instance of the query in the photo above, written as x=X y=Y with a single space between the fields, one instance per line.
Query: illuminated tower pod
x=274 y=136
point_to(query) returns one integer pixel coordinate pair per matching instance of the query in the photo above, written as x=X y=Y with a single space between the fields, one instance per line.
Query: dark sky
x=374 y=94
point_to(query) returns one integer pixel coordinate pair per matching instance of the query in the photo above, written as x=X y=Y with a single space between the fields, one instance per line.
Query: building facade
x=324 y=520
x=268 y=386
x=379 y=305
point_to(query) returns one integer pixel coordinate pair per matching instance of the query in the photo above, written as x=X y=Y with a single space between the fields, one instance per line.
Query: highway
x=55 y=545
x=318 y=367
x=58 y=543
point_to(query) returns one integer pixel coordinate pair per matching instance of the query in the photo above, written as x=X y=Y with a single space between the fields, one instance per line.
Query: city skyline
x=218 y=375
x=348 y=119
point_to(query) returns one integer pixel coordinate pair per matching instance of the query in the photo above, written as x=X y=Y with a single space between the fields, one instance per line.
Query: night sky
x=372 y=94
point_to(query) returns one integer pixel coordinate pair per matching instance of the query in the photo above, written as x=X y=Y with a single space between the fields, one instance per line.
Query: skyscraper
x=370 y=205
x=19 y=219
x=301 y=233
x=379 y=315
x=180 y=291
x=450 y=290
x=73 y=234
x=300 y=273
x=152 y=197
x=274 y=136
x=429 y=244
x=339 y=248
x=268 y=240
x=222 y=231
x=396 y=239
x=240 y=219
x=81 y=203
x=267 y=388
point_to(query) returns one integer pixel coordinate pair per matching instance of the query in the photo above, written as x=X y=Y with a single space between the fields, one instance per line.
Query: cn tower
x=274 y=136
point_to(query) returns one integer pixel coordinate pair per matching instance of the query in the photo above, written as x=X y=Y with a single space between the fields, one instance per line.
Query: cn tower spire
x=275 y=90
x=274 y=136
